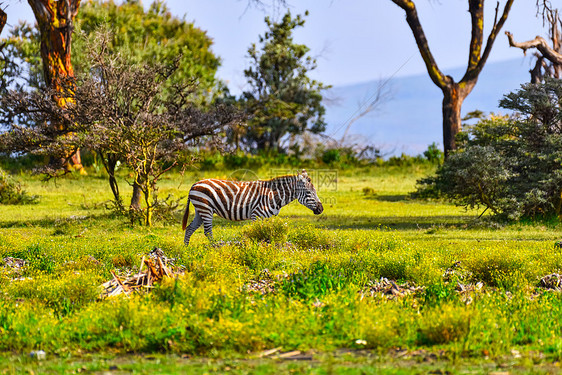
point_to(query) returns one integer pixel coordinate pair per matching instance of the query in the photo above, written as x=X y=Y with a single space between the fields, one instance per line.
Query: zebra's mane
x=279 y=178
x=278 y=181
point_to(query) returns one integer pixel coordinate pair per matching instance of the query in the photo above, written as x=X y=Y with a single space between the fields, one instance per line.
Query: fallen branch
x=158 y=266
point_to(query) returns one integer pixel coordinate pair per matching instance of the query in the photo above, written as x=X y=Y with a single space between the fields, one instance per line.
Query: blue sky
x=355 y=41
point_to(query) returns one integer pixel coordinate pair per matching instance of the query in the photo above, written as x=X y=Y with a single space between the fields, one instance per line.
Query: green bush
x=235 y=161
x=11 y=191
x=511 y=166
x=269 y=230
x=38 y=259
x=474 y=177
x=447 y=323
x=315 y=281
x=331 y=156
x=65 y=294
x=308 y=236
x=433 y=154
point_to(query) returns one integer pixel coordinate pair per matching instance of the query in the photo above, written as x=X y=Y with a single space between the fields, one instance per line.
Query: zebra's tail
x=185 y=216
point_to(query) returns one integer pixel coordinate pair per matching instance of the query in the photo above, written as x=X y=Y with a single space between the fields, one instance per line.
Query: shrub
x=11 y=191
x=331 y=156
x=235 y=161
x=308 y=236
x=443 y=325
x=269 y=230
x=511 y=166
x=37 y=259
x=471 y=178
x=65 y=294
x=433 y=154
x=315 y=281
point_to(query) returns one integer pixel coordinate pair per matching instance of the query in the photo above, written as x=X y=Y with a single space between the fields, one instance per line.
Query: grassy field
x=466 y=295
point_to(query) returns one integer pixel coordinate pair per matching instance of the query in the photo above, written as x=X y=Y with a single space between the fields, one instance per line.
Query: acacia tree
x=454 y=93
x=549 y=57
x=282 y=98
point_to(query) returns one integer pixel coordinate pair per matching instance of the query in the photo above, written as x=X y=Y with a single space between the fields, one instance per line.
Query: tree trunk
x=136 y=198
x=109 y=162
x=452 y=103
x=453 y=97
x=3 y=19
x=55 y=20
x=147 y=199
x=135 y=209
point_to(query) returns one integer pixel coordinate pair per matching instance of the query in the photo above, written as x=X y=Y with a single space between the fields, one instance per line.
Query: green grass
x=317 y=266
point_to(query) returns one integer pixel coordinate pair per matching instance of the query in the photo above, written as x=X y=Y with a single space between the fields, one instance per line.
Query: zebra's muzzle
x=319 y=209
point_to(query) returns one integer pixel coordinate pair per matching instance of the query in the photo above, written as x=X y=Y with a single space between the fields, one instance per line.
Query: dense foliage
x=512 y=166
x=282 y=99
x=143 y=36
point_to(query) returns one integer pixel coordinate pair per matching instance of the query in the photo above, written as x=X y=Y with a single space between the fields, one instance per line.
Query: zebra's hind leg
x=208 y=226
x=196 y=223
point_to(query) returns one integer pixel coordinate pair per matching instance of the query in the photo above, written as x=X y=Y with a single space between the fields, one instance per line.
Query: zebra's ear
x=304 y=176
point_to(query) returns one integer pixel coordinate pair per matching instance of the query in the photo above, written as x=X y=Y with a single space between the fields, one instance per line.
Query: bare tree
x=367 y=106
x=132 y=113
x=549 y=57
x=454 y=93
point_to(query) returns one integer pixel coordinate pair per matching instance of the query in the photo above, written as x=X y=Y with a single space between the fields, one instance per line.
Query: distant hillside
x=411 y=119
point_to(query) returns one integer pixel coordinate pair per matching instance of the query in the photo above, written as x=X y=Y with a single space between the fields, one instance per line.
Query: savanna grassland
x=466 y=293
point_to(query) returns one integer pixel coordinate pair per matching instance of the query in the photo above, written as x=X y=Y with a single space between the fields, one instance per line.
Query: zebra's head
x=306 y=193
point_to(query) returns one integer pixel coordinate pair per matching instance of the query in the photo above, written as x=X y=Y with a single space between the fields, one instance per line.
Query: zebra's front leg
x=195 y=224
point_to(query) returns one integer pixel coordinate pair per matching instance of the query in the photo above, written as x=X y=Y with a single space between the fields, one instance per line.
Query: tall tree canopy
x=282 y=99
x=154 y=35
x=454 y=93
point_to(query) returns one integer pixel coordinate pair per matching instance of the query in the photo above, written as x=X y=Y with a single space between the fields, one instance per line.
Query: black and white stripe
x=245 y=200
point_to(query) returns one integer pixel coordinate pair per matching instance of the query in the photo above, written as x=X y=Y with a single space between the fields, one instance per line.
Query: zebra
x=246 y=200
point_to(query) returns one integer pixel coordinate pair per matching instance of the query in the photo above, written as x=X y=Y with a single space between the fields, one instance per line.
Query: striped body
x=246 y=200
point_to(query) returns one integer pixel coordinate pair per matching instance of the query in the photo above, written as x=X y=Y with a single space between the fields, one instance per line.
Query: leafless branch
x=540 y=44
x=369 y=105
